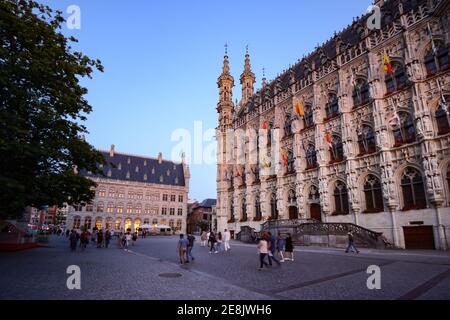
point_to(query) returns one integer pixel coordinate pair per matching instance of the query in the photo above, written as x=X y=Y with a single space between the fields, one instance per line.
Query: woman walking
x=212 y=241
x=203 y=238
x=263 y=250
x=281 y=242
x=289 y=248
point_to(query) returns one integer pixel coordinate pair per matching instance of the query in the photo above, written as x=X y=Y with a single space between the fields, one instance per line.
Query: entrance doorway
x=293 y=213
x=316 y=212
x=419 y=238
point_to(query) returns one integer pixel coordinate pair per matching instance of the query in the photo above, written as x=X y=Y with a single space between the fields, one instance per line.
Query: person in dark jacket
x=272 y=248
x=212 y=241
x=73 y=240
x=99 y=239
x=351 y=243
x=289 y=247
x=107 y=238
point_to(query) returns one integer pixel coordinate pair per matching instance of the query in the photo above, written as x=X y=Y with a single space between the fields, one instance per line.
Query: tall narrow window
x=288 y=125
x=290 y=162
x=309 y=117
x=396 y=81
x=413 y=190
x=332 y=107
x=361 y=94
x=406 y=131
x=366 y=140
x=244 y=210
x=337 y=149
x=373 y=194
x=88 y=223
x=273 y=207
x=341 y=199
x=258 y=213
x=311 y=157
x=443 y=117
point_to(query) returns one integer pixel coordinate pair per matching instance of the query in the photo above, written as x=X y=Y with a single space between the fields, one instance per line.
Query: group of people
x=216 y=242
x=99 y=238
x=184 y=248
x=278 y=249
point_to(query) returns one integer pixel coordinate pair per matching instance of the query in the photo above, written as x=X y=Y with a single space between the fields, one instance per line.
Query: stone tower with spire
x=248 y=80
x=226 y=110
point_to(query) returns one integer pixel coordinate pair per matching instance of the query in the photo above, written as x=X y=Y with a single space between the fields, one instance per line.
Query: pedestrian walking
x=226 y=240
x=191 y=240
x=127 y=240
x=289 y=247
x=182 y=247
x=73 y=238
x=208 y=235
x=134 y=239
x=272 y=249
x=281 y=242
x=212 y=243
x=99 y=239
x=219 y=243
x=204 y=238
x=351 y=243
x=263 y=252
x=107 y=238
x=84 y=239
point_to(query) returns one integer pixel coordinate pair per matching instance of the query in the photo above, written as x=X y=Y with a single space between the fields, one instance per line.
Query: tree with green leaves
x=42 y=108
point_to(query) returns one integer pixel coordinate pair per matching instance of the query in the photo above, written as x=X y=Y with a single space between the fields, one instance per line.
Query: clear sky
x=162 y=59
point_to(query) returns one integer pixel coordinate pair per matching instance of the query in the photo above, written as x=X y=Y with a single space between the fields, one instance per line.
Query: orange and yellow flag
x=299 y=109
x=387 y=65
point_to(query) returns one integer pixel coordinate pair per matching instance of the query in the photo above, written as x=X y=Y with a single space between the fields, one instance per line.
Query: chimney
x=160 y=158
x=112 y=151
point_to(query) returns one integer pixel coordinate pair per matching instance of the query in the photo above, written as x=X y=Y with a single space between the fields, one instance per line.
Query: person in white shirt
x=226 y=240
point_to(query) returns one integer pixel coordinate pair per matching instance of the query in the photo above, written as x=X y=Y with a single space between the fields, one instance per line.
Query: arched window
x=413 y=190
x=361 y=94
x=288 y=125
x=244 y=210
x=88 y=223
x=340 y=199
x=366 y=140
x=292 y=198
x=118 y=224
x=258 y=213
x=290 y=161
x=437 y=61
x=406 y=132
x=337 y=149
x=373 y=194
x=273 y=207
x=231 y=211
x=309 y=116
x=396 y=81
x=311 y=157
x=332 y=107
x=443 y=117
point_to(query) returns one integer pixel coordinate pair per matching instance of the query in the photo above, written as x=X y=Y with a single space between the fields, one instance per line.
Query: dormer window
x=145 y=177
x=137 y=169
x=168 y=172
x=128 y=175
x=109 y=173
x=153 y=171
x=129 y=161
x=119 y=166
x=161 y=179
x=145 y=163
x=176 y=180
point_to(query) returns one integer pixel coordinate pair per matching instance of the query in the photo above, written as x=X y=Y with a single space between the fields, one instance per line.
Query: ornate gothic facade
x=373 y=147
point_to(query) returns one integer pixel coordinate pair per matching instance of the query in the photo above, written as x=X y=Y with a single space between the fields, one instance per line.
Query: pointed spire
x=264 y=80
x=247 y=79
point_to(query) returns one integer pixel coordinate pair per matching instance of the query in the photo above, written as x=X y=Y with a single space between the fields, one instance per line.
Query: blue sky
x=162 y=60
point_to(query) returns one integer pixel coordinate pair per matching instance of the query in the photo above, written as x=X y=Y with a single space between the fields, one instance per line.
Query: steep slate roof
x=208 y=203
x=124 y=164
x=350 y=36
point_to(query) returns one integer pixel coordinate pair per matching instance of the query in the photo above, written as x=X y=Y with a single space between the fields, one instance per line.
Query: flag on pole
x=298 y=109
x=284 y=156
x=387 y=65
x=328 y=138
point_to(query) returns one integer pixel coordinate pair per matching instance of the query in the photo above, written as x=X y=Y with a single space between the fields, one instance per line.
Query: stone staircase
x=308 y=232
